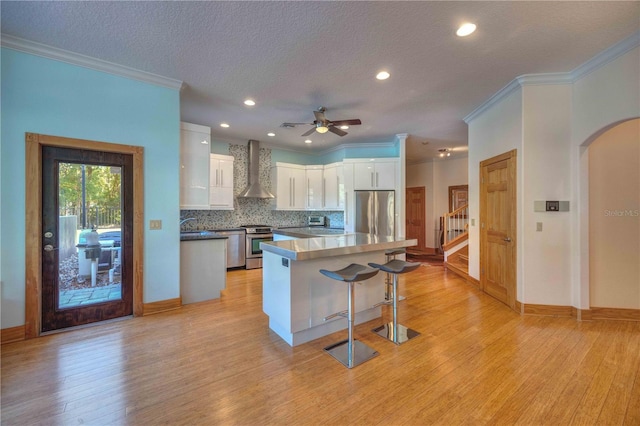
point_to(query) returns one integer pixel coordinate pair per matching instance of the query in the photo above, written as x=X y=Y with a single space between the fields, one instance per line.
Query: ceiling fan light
x=321 y=128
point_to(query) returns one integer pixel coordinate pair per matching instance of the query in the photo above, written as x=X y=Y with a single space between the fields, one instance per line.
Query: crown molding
x=50 y=52
x=602 y=58
x=606 y=56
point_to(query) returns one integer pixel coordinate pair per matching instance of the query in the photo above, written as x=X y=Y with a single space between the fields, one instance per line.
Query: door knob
x=48 y=247
x=508 y=239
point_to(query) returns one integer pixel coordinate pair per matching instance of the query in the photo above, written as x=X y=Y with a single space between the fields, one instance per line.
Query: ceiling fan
x=323 y=125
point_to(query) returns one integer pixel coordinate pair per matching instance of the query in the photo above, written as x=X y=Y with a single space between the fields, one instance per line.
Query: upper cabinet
x=334 y=190
x=290 y=186
x=315 y=187
x=374 y=175
x=195 y=145
x=221 y=182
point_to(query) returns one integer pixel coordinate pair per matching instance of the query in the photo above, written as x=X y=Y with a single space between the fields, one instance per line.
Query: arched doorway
x=614 y=221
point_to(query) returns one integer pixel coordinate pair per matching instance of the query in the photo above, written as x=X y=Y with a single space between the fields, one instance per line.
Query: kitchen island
x=297 y=297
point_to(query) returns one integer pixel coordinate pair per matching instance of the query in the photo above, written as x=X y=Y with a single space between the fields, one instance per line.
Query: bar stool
x=388 y=281
x=350 y=352
x=393 y=331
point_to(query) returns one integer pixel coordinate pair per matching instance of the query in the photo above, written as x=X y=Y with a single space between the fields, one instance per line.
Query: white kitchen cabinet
x=195 y=146
x=333 y=176
x=315 y=190
x=349 y=197
x=221 y=182
x=373 y=175
x=203 y=270
x=290 y=186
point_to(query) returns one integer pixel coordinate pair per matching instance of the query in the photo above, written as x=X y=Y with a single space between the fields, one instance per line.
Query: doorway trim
x=33 y=224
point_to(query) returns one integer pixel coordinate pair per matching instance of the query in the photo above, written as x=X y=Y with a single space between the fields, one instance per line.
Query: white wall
x=437 y=176
x=493 y=132
x=550 y=125
x=600 y=99
x=446 y=173
x=422 y=175
x=546 y=255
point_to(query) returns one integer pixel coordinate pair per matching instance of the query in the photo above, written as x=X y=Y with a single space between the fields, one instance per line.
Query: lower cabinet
x=203 y=269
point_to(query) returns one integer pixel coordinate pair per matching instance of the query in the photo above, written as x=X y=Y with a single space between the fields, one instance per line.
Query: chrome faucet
x=186 y=220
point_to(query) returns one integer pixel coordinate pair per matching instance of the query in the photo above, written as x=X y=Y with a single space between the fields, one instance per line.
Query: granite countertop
x=330 y=246
x=309 y=231
x=201 y=235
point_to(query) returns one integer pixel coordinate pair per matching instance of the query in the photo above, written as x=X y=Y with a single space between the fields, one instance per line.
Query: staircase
x=456 y=241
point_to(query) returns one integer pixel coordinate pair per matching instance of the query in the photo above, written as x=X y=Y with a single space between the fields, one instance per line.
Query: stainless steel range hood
x=254 y=190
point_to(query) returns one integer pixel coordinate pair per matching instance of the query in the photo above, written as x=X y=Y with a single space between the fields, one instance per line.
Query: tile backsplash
x=252 y=211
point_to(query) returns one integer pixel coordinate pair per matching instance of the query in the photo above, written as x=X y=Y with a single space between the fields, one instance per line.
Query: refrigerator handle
x=372 y=179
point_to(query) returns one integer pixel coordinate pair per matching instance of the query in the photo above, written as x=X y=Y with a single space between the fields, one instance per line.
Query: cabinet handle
x=290 y=191
x=294 y=192
x=376 y=179
x=221 y=177
x=372 y=179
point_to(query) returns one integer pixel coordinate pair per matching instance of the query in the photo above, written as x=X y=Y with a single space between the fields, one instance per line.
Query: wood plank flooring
x=476 y=362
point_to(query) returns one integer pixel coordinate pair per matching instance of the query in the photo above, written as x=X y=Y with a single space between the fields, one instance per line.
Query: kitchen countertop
x=330 y=246
x=201 y=235
x=309 y=231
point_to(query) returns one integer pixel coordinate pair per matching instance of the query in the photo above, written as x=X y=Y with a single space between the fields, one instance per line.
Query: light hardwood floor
x=476 y=362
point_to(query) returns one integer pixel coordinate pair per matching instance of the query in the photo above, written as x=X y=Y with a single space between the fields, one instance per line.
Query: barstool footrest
x=361 y=352
x=401 y=335
x=384 y=302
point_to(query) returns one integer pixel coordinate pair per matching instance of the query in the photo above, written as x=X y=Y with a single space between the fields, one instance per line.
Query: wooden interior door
x=498 y=227
x=415 y=220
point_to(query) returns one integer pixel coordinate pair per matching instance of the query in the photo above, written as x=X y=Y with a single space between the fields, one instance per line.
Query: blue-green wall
x=45 y=96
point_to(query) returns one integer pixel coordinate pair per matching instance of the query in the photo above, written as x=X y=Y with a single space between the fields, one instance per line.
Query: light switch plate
x=155 y=224
x=539 y=226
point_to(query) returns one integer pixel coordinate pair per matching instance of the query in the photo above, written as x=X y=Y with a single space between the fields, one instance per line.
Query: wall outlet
x=473 y=222
x=155 y=224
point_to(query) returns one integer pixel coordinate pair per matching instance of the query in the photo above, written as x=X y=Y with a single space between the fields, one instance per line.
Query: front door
x=498 y=227
x=87 y=238
x=416 y=216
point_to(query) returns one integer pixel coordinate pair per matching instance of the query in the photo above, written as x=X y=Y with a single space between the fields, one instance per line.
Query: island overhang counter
x=297 y=297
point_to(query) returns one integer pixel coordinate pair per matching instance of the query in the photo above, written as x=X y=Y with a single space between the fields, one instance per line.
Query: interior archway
x=614 y=217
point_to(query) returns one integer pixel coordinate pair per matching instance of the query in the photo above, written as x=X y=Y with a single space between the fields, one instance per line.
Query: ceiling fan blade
x=294 y=124
x=320 y=116
x=353 y=122
x=308 y=132
x=337 y=131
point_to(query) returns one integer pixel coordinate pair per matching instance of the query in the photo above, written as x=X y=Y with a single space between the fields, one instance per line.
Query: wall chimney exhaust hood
x=254 y=190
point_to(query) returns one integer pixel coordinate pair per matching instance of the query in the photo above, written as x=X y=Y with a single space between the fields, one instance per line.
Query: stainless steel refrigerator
x=375 y=212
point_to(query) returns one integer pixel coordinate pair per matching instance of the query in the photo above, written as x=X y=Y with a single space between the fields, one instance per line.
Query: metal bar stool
x=388 y=281
x=350 y=352
x=393 y=331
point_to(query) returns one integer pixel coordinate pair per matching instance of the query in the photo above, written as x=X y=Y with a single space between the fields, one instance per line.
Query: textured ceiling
x=293 y=57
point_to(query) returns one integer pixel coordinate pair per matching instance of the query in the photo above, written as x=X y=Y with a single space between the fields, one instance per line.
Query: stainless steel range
x=256 y=234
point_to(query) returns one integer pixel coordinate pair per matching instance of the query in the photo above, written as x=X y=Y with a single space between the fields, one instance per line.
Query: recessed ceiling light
x=225 y=125
x=344 y=127
x=308 y=141
x=466 y=29
x=249 y=102
x=382 y=75
x=271 y=134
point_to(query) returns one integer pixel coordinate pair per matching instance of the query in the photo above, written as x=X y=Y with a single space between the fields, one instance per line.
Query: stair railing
x=456 y=223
